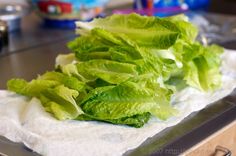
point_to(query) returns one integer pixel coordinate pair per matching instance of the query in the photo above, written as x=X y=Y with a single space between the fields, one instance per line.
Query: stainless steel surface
x=9 y=148
x=2 y=154
x=29 y=63
x=32 y=50
x=34 y=34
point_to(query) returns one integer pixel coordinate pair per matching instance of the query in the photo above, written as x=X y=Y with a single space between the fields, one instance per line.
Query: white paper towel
x=24 y=120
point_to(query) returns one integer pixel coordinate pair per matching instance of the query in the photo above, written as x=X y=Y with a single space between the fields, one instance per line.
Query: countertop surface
x=32 y=51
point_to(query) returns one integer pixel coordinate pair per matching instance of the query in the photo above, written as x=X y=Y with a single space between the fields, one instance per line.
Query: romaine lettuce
x=124 y=69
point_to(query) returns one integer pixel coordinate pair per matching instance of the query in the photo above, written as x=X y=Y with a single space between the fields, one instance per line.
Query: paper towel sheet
x=24 y=120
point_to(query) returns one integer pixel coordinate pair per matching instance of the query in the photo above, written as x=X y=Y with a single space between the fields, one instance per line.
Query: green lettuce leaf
x=146 y=31
x=134 y=121
x=188 y=30
x=62 y=102
x=69 y=81
x=110 y=71
x=126 y=100
x=201 y=69
x=64 y=59
x=56 y=98
x=32 y=89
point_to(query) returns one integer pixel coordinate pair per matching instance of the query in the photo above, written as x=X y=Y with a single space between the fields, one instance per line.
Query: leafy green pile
x=124 y=69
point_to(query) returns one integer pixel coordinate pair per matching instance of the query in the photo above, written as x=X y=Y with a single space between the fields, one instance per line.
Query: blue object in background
x=167 y=3
x=64 y=13
x=197 y=4
x=78 y=3
x=189 y=4
x=192 y=4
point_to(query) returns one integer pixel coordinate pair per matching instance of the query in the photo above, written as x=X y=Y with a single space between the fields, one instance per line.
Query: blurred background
x=63 y=13
x=30 y=23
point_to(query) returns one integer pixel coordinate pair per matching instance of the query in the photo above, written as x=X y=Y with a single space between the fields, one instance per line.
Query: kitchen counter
x=33 y=50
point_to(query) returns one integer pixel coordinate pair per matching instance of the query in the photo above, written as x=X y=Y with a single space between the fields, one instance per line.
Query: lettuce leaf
x=135 y=121
x=55 y=97
x=32 y=89
x=188 y=31
x=127 y=99
x=146 y=31
x=62 y=102
x=110 y=71
x=69 y=81
x=202 y=68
